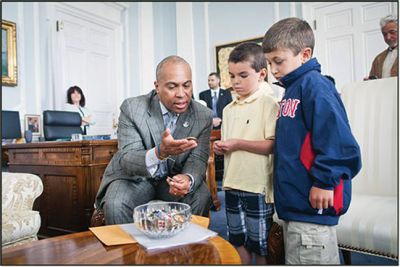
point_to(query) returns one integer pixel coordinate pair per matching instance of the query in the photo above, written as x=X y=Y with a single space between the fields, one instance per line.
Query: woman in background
x=76 y=103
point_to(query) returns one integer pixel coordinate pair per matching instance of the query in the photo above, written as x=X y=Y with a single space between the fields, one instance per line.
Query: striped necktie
x=214 y=104
x=170 y=123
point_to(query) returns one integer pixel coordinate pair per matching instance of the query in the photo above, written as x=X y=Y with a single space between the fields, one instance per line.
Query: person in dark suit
x=154 y=158
x=216 y=98
x=222 y=97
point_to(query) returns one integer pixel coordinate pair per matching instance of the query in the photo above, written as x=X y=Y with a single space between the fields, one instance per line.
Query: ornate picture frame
x=33 y=122
x=222 y=54
x=8 y=53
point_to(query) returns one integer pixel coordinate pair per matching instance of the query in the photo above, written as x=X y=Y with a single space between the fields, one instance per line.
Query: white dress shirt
x=388 y=63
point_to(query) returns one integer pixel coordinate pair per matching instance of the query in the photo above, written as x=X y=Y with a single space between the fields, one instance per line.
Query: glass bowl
x=162 y=219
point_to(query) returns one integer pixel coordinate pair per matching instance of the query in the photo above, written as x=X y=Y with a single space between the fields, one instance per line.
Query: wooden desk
x=84 y=248
x=71 y=173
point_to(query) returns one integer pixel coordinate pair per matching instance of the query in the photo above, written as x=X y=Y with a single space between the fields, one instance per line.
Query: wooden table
x=85 y=248
x=71 y=173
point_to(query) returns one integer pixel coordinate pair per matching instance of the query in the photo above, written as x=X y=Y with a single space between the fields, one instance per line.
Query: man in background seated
x=386 y=64
x=155 y=160
x=216 y=98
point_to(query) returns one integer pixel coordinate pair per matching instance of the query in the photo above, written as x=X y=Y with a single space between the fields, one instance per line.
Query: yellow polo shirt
x=251 y=119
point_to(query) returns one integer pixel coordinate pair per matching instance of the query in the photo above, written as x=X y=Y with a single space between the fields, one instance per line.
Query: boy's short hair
x=250 y=52
x=290 y=33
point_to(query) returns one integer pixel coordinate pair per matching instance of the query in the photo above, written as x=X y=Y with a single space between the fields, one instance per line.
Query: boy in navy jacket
x=316 y=155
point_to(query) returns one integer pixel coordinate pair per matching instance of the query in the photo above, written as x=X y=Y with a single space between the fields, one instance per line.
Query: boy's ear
x=263 y=74
x=306 y=54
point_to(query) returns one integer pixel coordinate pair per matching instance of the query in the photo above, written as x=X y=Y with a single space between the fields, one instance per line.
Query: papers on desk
x=120 y=234
x=96 y=137
x=191 y=234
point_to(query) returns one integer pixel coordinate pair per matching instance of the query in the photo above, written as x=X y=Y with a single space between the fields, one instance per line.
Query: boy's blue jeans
x=308 y=243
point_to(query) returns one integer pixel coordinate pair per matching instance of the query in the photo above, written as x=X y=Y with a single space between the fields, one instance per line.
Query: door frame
x=309 y=15
x=114 y=21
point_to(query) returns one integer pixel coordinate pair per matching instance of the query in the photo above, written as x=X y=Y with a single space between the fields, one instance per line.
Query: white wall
x=27 y=96
x=36 y=89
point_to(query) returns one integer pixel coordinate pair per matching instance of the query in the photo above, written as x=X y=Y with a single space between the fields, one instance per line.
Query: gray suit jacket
x=140 y=128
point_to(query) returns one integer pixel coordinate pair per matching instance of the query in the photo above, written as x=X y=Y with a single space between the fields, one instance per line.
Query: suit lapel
x=220 y=102
x=184 y=124
x=155 y=121
x=220 y=96
x=209 y=98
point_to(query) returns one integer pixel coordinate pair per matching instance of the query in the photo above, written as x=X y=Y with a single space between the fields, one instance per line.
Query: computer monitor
x=10 y=125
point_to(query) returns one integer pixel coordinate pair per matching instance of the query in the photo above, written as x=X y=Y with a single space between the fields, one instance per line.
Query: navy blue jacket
x=314 y=146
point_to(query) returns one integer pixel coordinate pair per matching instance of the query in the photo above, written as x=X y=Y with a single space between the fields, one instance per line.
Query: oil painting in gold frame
x=8 y=53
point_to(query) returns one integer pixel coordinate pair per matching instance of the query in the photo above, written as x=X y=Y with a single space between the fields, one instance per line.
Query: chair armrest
x=19 y=190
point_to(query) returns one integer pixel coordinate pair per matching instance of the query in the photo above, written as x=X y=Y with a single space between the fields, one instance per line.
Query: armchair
x=20 y=224
x=370 y=225
x=61 y=124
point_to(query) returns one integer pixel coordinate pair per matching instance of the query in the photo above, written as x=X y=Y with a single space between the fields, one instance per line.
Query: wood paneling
x=71 y=173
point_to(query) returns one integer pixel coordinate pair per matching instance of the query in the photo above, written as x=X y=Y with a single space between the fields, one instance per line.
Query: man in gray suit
x=155 y=160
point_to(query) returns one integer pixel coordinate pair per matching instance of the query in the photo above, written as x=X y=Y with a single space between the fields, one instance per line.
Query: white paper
x=191 y=234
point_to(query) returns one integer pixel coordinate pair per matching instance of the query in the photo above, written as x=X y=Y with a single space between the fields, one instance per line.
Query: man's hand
x=223 y=147
x=169 y=146
x=179 y=185
x=217 y=122
x=321 y=198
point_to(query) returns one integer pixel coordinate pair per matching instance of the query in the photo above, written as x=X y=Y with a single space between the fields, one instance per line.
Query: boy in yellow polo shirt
x=247 y=140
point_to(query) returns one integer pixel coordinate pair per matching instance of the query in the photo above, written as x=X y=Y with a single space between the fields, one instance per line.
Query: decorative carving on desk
x=86 y=150
x=85 y=153
x=46 y=155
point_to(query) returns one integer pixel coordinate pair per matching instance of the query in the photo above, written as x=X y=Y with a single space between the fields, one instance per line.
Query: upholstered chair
x=370 y=225
x=20 y=223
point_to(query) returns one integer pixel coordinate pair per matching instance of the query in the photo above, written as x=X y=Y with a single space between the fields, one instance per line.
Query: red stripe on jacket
x=307 y=157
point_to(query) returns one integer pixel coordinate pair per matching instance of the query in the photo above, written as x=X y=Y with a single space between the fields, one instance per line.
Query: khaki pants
x=308 y=243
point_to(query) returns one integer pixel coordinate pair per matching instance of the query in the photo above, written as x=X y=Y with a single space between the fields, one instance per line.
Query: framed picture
x=8 y=53
x=222 y=54
x=33 y=123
